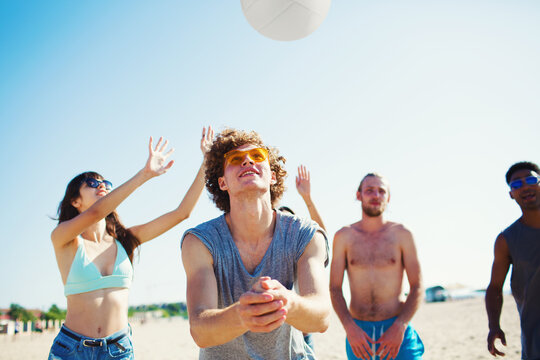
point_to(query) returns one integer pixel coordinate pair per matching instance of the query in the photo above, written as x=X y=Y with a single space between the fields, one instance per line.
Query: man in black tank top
x=519 y=246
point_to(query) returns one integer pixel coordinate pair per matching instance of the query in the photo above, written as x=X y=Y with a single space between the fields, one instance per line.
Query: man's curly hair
x=228 y=140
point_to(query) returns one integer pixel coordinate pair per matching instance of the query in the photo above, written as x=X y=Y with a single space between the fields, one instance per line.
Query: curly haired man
x=241 y=267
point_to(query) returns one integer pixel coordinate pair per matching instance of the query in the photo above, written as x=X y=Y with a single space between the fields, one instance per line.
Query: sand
x=450 y=330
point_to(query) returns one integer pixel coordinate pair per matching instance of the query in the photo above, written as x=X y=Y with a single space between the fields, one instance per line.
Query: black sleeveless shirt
x=524 y=246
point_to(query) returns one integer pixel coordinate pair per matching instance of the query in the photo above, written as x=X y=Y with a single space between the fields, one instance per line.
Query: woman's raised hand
x=303 y=184
x=207 y=139
x=156 y=164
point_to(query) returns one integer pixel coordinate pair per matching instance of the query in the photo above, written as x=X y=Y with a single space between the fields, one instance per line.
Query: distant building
x=9 y=325
x=5 y=321
x=436 y=293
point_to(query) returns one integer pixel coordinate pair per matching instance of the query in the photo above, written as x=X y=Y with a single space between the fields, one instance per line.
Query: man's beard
x=373 y=212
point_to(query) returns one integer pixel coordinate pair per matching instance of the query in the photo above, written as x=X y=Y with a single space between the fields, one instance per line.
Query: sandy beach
x=450 y=330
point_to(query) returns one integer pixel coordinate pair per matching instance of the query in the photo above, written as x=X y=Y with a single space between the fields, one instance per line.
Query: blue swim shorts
x=411 y=348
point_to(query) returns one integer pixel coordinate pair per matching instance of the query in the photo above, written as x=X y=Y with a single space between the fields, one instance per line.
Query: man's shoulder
x=288 y=221
x=347 y=232
x=500 y=237
x=209 y=224
x=207 y=230
x=512 y=227
x=510 y=234
x=398 y=228
x=400 y=232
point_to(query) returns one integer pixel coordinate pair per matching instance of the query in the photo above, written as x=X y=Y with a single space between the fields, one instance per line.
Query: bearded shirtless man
x=376 y=253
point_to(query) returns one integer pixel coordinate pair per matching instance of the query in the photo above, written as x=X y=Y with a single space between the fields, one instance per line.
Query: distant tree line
x=168 y=310
x=17 y=312
x=54 y=313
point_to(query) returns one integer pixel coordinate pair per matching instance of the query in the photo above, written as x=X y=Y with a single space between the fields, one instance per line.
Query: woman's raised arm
x=156 y=227
x=156 y=165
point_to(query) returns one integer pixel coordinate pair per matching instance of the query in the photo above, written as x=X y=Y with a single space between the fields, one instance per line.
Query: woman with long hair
x=94 y=252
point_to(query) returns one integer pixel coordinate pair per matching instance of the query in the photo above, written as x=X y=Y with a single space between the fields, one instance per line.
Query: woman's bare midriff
x=98 y=313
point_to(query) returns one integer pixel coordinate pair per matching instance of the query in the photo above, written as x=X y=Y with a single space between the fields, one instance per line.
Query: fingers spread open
x=169 y=165
x=159 y=143
x=164 y=146
x=169 y=153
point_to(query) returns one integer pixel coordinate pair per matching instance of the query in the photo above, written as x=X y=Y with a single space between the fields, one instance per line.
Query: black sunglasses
x=94 y=183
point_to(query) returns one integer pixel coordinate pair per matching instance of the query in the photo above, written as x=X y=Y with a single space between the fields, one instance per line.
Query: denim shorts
x=308 y=338
x=67 y=347
x=411 y=348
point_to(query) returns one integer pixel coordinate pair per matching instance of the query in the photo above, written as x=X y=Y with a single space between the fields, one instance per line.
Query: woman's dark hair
x=115 y=228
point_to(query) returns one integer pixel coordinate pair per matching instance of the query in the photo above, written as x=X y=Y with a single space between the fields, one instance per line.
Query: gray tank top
x=524 y=246
x=291 y=236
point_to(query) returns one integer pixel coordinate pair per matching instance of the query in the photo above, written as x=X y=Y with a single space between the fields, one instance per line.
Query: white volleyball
x=285 y=20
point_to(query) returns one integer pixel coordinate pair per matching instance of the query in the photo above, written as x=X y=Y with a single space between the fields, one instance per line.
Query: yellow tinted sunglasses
x=236 y=157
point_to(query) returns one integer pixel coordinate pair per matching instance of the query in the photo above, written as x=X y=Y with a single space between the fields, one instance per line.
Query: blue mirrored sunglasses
x=529 y=180
x=94 y=183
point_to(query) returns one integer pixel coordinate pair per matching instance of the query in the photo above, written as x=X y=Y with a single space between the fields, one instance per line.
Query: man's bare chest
x=373 y=252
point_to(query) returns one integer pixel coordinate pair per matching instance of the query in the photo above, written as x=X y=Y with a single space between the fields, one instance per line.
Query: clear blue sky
x=441 y=97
